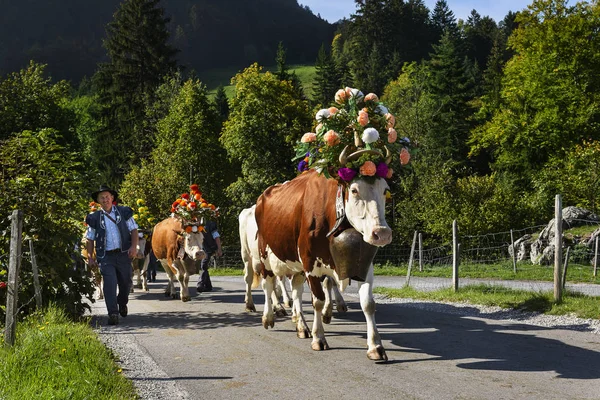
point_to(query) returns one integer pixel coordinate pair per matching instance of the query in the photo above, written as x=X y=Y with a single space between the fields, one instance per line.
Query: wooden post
x=557 y=249
x=565 y=265
x=411 y=258
x=14 y=265
x=514 y=252
x=596 y=257
x=420 y=252
x=455 y=259
x=36 y=278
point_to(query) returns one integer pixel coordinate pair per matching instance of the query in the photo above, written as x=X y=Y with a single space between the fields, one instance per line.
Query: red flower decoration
x=194 y=188
x=2 y=285
x=185 y=196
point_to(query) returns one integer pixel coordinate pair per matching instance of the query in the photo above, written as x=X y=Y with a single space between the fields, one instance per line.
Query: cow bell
x=352 y=255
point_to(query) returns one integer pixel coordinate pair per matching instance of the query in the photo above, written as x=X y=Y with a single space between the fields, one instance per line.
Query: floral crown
x=142 y=216
x=192 y=208
x=355 y=137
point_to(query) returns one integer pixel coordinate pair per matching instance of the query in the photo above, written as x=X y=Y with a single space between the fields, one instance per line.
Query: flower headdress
x=355 y=137
x=192 y=208
x=142 y=216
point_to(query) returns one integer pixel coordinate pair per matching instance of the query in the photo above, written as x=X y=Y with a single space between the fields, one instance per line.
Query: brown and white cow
x=142 y=259
x=294 y=220
x=178 y=247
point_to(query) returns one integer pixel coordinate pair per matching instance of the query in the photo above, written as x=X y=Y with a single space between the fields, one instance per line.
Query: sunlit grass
x=54 y=358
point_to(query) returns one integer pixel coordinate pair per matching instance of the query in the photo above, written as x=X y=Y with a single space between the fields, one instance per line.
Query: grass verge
x=54 y=358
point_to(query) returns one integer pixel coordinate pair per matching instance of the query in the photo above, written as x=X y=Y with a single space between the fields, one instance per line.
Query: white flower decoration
x=322 y=114
x=382 y=110
x=370 y=135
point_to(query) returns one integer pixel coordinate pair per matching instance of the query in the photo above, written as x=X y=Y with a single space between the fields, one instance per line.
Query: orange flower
x=198 y=196
x=392 y=135
x=368 y=168
x=203 y=205
x=331 y=138
x=194 y=187
x=212 y=206
x=185 y=196
x=404 y=156
x=188 y=229
x=341 y=96
x=389 y=173
x=371 y=97
x=175 y=204
x=332 y=110
x=318 y=128
x=308 y=137
x=391 y=120
x=363 y=118
x=183 y=203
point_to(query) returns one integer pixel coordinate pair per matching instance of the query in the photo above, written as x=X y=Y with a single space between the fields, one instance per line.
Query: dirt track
x=210 y=348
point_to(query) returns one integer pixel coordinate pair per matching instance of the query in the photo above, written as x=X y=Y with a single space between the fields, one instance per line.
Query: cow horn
x=343 y=159
x=388 y=155
x=359 y=153
x=357 y=141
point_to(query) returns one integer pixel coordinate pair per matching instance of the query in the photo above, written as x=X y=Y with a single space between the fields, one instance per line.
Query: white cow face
x=141 y=246
x=365 y=209
x=192 y=242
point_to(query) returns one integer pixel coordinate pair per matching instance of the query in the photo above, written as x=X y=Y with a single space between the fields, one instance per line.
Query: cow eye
x=354 y=191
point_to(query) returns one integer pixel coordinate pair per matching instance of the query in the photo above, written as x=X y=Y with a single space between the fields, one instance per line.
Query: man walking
x=211 y=246
x=113 y=231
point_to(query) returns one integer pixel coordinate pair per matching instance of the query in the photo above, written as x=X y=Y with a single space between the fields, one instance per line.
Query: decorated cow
x=330 y=219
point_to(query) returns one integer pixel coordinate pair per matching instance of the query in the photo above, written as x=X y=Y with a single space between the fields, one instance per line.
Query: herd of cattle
x=310 y=229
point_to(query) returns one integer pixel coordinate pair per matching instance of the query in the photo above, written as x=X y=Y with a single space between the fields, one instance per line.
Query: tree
x=549 y=92
x=326 y=81
x=29 y=101
x=44 y=180
x=139 y=59
x=221 y=103
x=265 y=121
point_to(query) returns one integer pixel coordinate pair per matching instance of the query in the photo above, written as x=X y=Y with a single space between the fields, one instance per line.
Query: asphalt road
x=210 y=348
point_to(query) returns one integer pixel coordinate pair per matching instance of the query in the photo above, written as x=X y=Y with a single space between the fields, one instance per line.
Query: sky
x=334 y=10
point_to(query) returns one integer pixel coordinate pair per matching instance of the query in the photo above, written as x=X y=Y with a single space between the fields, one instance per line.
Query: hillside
x=67 y=35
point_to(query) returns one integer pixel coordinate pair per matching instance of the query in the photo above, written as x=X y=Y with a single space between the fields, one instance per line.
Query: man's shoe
x=123 y=310
x=113 y=319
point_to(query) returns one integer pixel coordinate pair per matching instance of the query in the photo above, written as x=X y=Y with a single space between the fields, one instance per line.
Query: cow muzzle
x=197 y=255
x=379 y=236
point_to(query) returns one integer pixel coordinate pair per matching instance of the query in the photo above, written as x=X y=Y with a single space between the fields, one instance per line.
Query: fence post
x=565 y=266
x=455 y=259
x=14 y=264
x=411 y=258
x=514 y=252
x=557 y=248
x=36 y=278
x=596 y=257
x=420 y=252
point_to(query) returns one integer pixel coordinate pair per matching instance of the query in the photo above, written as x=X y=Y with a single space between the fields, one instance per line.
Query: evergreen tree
x=139 y=59
x=326 y=80
x=221 y=103
x=443 y=20
x=282 y=69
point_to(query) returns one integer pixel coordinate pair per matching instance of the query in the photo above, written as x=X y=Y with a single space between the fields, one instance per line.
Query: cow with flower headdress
x=330 y=219
x=177 y=240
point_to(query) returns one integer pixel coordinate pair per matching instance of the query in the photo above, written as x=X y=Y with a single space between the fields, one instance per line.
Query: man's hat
x=104 y=188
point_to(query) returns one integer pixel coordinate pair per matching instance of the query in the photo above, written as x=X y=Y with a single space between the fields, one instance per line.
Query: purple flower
x=347 y=174
x=382 y=170
x=302 y=166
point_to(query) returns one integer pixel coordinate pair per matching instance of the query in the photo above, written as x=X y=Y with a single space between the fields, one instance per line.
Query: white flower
x=382 y=110
x=355 y=93
x=405 y=140
x=322 y=114
x=370 y=135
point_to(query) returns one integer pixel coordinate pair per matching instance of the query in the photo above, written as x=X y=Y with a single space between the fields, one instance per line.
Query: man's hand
x=219 y=253
x=132 y=252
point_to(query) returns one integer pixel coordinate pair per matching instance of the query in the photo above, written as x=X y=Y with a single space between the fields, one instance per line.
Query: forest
x=501 y=117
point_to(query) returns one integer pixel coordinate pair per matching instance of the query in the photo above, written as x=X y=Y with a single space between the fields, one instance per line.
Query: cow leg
x=184 y=279
x=268 y=319
x=144 y=272
x=170 y=290
x=328 y=307
x=135 y=265
x=249 y=277
x=340 y=303
x=287 y=302
x=318 y=301
x=375 y=350
x=278 y=308
x=297 y=315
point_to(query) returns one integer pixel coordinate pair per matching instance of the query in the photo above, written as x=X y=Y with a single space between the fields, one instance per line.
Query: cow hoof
x=303 y=334
x=280 y=312
x=250 y=308
x=341 y=308
x=167 y=294
x=138 y=286
x=377 y=354
x=186 y=298
x=326 y=319
x=266 y=323
x=319 y=345
x=288 y=304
